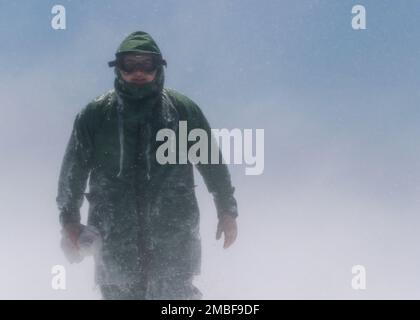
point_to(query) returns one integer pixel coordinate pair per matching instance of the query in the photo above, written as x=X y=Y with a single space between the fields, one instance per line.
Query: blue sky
x=340 y=109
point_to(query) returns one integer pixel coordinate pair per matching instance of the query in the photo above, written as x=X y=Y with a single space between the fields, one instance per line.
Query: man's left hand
x=227 y=225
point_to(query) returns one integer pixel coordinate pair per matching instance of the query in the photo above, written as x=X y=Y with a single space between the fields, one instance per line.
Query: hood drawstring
x=120 y=108
x=147 y=150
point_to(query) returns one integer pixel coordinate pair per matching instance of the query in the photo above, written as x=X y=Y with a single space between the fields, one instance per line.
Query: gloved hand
x=69 y=241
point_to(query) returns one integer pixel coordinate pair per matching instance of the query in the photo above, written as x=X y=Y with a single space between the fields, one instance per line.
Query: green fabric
x=160 y=217
x=140 y=42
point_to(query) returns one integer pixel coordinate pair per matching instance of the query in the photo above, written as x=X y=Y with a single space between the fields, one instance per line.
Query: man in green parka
x=145 y=213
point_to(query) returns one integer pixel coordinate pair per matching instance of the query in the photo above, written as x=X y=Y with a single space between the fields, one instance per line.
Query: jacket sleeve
x=74 y=171
x=216 y=175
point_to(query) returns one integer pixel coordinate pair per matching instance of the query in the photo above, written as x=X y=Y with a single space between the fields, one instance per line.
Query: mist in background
x=340 y=110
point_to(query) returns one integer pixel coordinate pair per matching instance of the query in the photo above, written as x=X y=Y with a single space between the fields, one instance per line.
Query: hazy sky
x=340 y=110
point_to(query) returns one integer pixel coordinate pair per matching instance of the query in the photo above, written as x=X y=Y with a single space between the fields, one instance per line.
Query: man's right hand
x=72 y=231
x=70 y=234
x=227 y=225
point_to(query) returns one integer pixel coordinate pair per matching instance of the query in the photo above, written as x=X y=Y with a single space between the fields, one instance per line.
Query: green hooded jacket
x=146 y=213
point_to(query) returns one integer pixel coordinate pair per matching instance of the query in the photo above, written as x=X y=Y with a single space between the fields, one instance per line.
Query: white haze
x=341 y=182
